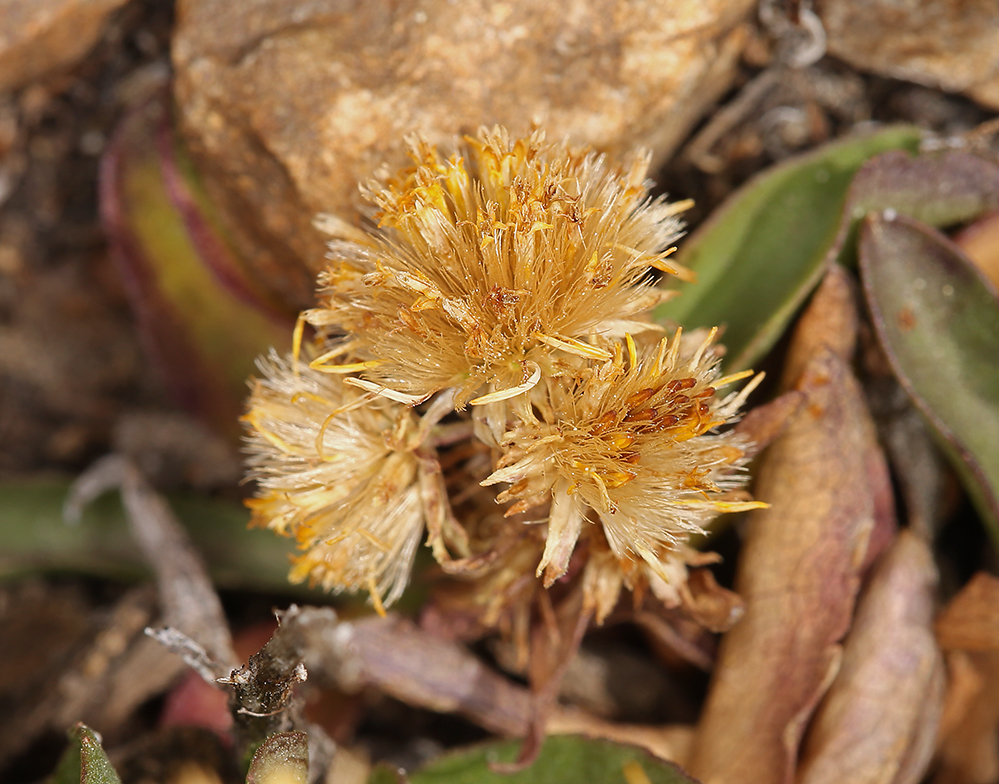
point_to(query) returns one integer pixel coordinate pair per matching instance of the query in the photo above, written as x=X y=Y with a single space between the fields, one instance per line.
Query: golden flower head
x=629 y=443
x=487 y=263
x=515 y=278
x=336 y=471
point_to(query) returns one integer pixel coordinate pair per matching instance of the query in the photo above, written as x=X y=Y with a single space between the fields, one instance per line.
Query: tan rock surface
x=39 y=36
x=952 y=45
x=287 y=105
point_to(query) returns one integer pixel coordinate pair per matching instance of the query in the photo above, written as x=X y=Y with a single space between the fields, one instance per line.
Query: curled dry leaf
x=968 y=750
x=970 y=622
x=879 y=719
x=830 y=321
x=764 y=423
x=413 y=666
x=712 y=606
x=799 y=575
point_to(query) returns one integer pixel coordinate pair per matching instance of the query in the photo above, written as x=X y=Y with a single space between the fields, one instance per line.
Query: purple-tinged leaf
x=202 y=319
x=937 y=318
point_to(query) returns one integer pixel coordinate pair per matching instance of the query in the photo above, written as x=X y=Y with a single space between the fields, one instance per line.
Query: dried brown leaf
x=980 y=241
x=970 y=622
x=799 y=575
x=764 y=423
x=969 y=747
x=878 y=721
x=555 y=640
x=413 y=666
x=674 y=637
x=670 y=742
x=830 y=321
x=969 y=737
x=712 y=606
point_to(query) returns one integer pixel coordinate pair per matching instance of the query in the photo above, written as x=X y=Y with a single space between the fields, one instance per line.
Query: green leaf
x=937 y=318
x=34 y=537
x=564 y=758
x=763 y=251
x=281 y=759
x=84 y=762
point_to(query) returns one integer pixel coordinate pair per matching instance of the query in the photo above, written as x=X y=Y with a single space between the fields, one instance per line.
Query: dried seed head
x=629 y=444
x=335 y=471
x=513 y=278
x=489 y=261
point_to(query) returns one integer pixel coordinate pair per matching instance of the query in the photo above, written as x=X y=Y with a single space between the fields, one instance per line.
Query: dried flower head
x=487 y=263
x=629 y=444
x=516 y=279
x=338 y=476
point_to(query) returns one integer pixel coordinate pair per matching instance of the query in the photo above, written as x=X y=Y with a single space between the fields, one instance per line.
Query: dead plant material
x=413 y=666
x=187 y=596
x=968 y=628
x=878 y=722
x=799 y=575
x=830 y=321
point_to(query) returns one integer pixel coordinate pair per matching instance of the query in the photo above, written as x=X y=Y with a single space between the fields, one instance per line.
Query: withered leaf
x=968 y=627
x=414 y=666
x=980 y=241
x=185 y=590
x=969 y=742
x=878 y=721
x=799 y=575
x=970 y=622
x=830 y=321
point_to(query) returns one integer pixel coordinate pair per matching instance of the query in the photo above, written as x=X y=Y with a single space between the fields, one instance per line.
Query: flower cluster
x=483 y=368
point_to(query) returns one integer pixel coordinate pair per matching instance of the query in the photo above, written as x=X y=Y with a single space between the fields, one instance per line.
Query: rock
x=41 y=36
x=287 y=106
x=952 y=45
